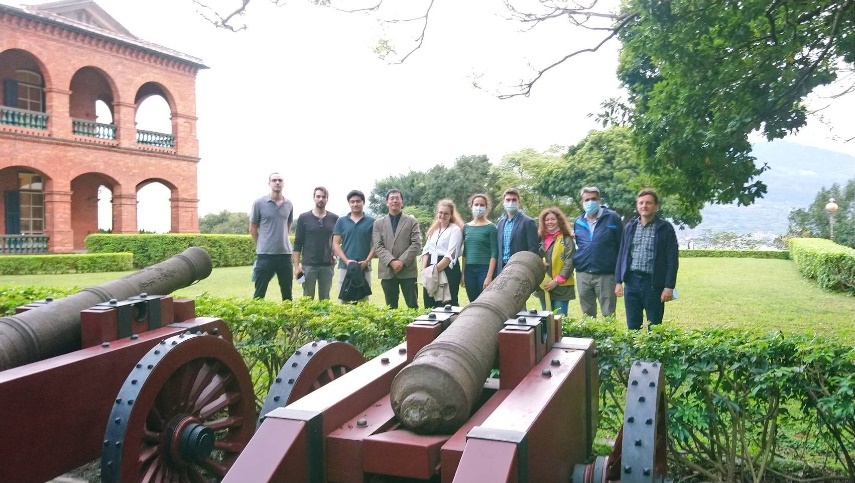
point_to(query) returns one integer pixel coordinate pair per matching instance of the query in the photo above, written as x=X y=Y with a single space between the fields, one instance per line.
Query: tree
x=814 y=221
x=702 y=75
x=225 y=222
x=608 y=160
x=422 y=189
x=524 y=171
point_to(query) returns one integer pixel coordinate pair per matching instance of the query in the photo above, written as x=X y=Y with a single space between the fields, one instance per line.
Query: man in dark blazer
x=647 y=263
x=397 y=244
x=516 y=231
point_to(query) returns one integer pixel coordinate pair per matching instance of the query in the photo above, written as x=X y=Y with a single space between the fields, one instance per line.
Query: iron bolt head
x=362 y=423
x=384 y=360
x=546 y=372
x=555 y=362
x=402 y=350
x=105 y=344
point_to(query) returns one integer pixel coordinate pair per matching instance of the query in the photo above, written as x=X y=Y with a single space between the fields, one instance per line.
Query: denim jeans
x=639 y=295
x=559 y=307
x=474 y=276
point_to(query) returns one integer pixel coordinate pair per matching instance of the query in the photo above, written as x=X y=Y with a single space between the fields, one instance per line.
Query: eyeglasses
x=442 y=213
x=277 y=181
x=320 y=222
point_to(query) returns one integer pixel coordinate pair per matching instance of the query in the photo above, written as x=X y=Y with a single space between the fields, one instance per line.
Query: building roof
x=88 y=17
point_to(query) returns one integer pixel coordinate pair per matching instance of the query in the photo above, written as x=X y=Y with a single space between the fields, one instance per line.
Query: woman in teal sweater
x=480 y=248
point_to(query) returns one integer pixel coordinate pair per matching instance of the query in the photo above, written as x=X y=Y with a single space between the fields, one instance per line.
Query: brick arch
x=115 y=93
x=84 y=204
x=35 y=54
x=147 y=89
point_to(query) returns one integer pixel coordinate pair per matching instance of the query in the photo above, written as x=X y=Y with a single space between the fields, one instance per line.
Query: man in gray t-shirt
x=269 y=223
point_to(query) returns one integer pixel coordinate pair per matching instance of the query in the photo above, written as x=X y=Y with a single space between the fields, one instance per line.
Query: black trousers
x=454 y=276
x=406 y=286
x=266 y=266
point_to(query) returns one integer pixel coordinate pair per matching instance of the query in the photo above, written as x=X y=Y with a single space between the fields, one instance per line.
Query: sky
x=301 y=92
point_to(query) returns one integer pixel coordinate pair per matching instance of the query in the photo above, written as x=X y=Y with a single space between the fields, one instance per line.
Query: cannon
x=432 y=408
x=124 y=373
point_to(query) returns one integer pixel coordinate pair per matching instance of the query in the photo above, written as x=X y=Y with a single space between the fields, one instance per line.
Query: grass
x=713 y=292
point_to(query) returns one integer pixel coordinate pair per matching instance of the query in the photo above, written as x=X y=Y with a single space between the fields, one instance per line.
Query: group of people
x=597 y=256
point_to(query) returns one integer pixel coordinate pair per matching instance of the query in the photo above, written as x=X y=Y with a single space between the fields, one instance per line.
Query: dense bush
x=740 y=403
x=773 y=254
x=16 y=296
x=65 y=263
x=830 y=264
x=225 y=250
x=267 y=333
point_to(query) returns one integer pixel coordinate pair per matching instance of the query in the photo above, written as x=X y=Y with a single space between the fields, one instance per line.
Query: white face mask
x=512 y=208
x=478 y=211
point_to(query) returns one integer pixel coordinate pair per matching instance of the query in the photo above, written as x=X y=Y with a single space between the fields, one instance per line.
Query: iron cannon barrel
x=437 y=391
x=54 y=328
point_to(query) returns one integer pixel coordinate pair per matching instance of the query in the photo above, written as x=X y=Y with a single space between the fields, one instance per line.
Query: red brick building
x=58 y=60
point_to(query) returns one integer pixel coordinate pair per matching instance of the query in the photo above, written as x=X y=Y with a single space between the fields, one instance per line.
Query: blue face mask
x=591 y=207
x=512 y=208
x=478 y=211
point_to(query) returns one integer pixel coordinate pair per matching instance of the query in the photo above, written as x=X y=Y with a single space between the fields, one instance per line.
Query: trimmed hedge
x=769 y=254
x=267 y=333
x=148 y=249
x=742 y=405
x=66 y=263
x=830 y=264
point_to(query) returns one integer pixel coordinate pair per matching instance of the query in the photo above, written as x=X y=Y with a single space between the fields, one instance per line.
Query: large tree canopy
x=702 y=75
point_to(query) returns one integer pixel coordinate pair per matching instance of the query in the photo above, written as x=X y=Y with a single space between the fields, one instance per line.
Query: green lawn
x=713 y=292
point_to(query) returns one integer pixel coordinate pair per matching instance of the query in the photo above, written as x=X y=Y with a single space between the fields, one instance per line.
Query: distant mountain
x=796 y=173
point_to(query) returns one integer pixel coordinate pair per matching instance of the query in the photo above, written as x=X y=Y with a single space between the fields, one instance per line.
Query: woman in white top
x=444 y=240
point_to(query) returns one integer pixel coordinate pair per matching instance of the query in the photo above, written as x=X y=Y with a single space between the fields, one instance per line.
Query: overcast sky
x=301 y=92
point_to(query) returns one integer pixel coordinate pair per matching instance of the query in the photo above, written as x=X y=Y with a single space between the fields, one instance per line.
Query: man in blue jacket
x=647 y=263
x=598 y=232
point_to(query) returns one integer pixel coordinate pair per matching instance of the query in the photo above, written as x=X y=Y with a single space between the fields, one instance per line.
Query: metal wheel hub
x=190 y=441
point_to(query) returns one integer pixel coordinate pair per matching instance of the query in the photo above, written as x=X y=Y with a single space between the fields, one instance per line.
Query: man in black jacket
x=647 y=263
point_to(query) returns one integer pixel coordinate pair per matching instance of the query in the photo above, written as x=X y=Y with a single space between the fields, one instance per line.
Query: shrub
x=737 y=400
x=830 y=264
x=768 y=254
x=225 y=250
x=16 y=296
x=267 y=333
x=65 y=263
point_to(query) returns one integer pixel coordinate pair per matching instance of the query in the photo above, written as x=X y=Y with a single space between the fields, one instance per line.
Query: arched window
x=30 y=90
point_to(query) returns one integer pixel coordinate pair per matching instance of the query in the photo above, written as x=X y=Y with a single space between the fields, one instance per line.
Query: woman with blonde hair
x=480 y=248
x=557 y=247
x=444 y=240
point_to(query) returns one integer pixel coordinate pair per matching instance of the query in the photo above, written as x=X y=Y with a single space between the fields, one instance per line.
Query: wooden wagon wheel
x=184 y=414
x=310 y=367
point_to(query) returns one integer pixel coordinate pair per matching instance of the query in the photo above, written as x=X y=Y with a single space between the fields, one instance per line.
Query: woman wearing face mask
x=557 y=247
x=444 y=240
x=480 y=248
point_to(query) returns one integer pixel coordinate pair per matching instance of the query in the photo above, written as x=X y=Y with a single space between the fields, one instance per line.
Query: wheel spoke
x=225 y=400
x=229 y=446
x=195 y=476
x=203 y=377
x=225 y=423
x=214 y=391
x=149 y=453
x=150 y=436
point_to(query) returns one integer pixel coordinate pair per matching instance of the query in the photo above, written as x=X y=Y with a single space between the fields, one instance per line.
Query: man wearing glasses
x=269 y=222
x=397 y=243
x=313 y=256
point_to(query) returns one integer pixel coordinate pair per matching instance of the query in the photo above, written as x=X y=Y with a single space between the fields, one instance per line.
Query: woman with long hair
x=444 y=240
x=557 y=247
x=480 y=248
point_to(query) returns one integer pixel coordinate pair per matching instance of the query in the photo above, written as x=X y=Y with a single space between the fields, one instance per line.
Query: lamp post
x=831 y=208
